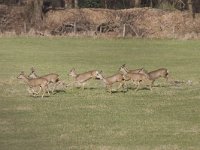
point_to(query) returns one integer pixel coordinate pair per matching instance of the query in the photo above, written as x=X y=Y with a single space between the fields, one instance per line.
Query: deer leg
x=106 y=88
x=109 y=88
x=33 y=92
x=79 y=84
x=138 y=85
x=54 y=87
x=47 y=89
x=43 y=94
x=120 y=85
x=64 y=85
x=133 y=82
x=30 y=91
x=152 y=82
x=83 y=85
x=44 y=91
x=167 y=77
x=150 y=87
x=71 y=83
x=37 y=92
x=124 y=85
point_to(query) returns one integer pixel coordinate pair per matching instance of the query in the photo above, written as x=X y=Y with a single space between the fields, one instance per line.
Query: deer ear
x=101 y=71
x=123 y=65
x=32 y=69
x=22 y=72
x=72 y=69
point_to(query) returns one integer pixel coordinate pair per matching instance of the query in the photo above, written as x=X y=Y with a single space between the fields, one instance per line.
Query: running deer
x=33 y=83
x=51 y=78
x=109 y=81
x=123 y=68
x=82 y=78
x=136 y=78
x=162 y=72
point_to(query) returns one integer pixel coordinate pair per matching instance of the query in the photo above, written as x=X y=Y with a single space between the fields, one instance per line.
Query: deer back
x=135 y=76
x=37 y=82
x=162 y=72
x=115 y=78
x=82 y=77
x=51 y=77
x=136 y=71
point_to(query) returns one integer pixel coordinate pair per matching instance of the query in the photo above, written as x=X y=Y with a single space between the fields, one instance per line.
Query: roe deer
x=82 y=78
x=37 y=82
x=124 y=69
x=162 y=72
x=51 y=78
x=109 y=81
x=136 y=78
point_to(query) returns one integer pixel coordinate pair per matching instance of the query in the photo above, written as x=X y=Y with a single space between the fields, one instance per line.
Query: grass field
x=167 y=118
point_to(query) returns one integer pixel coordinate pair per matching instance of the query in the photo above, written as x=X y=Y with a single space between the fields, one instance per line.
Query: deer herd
x=138 y=77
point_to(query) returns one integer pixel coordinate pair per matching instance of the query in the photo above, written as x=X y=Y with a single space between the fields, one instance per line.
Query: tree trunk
x=106 y=4
x=190 y=5
x=76 y=3
x=190 y=8
x=137 y=3
x=37 y=12
x=131 y=4
x=70 y=4
x=151 y=3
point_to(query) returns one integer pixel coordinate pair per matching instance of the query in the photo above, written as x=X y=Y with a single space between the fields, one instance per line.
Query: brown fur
x=82 y=78
x=123 y=68
x=162 y=72
x=137 y=78
x=37 y=82
x=109 y=81
x=51 y=78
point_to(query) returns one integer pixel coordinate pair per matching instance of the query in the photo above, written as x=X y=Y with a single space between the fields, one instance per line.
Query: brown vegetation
x=138 y=22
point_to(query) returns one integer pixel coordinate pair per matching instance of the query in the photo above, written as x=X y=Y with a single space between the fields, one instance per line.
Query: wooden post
x=124 y=30
x=75 y=28
x=151 y=3
x=100 y=29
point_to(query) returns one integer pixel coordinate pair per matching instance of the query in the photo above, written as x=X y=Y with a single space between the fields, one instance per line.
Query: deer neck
x=125 y=70
x=25 y=79
x=105 y=80
x=74 y=75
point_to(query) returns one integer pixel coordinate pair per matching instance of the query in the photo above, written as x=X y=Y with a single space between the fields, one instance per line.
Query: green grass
x=167 y=118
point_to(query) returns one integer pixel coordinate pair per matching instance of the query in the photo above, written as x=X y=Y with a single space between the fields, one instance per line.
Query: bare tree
x=190 y=7
x=137 y=3
x=38 y=10
x=76 y=3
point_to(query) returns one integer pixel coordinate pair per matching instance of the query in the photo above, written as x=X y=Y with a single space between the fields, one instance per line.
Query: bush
x=90 y=3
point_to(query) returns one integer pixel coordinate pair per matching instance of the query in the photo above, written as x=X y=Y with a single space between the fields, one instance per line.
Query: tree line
x=35 y=9
x=113 y=4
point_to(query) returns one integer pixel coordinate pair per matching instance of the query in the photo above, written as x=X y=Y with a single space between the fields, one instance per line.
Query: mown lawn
x=167 y=118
